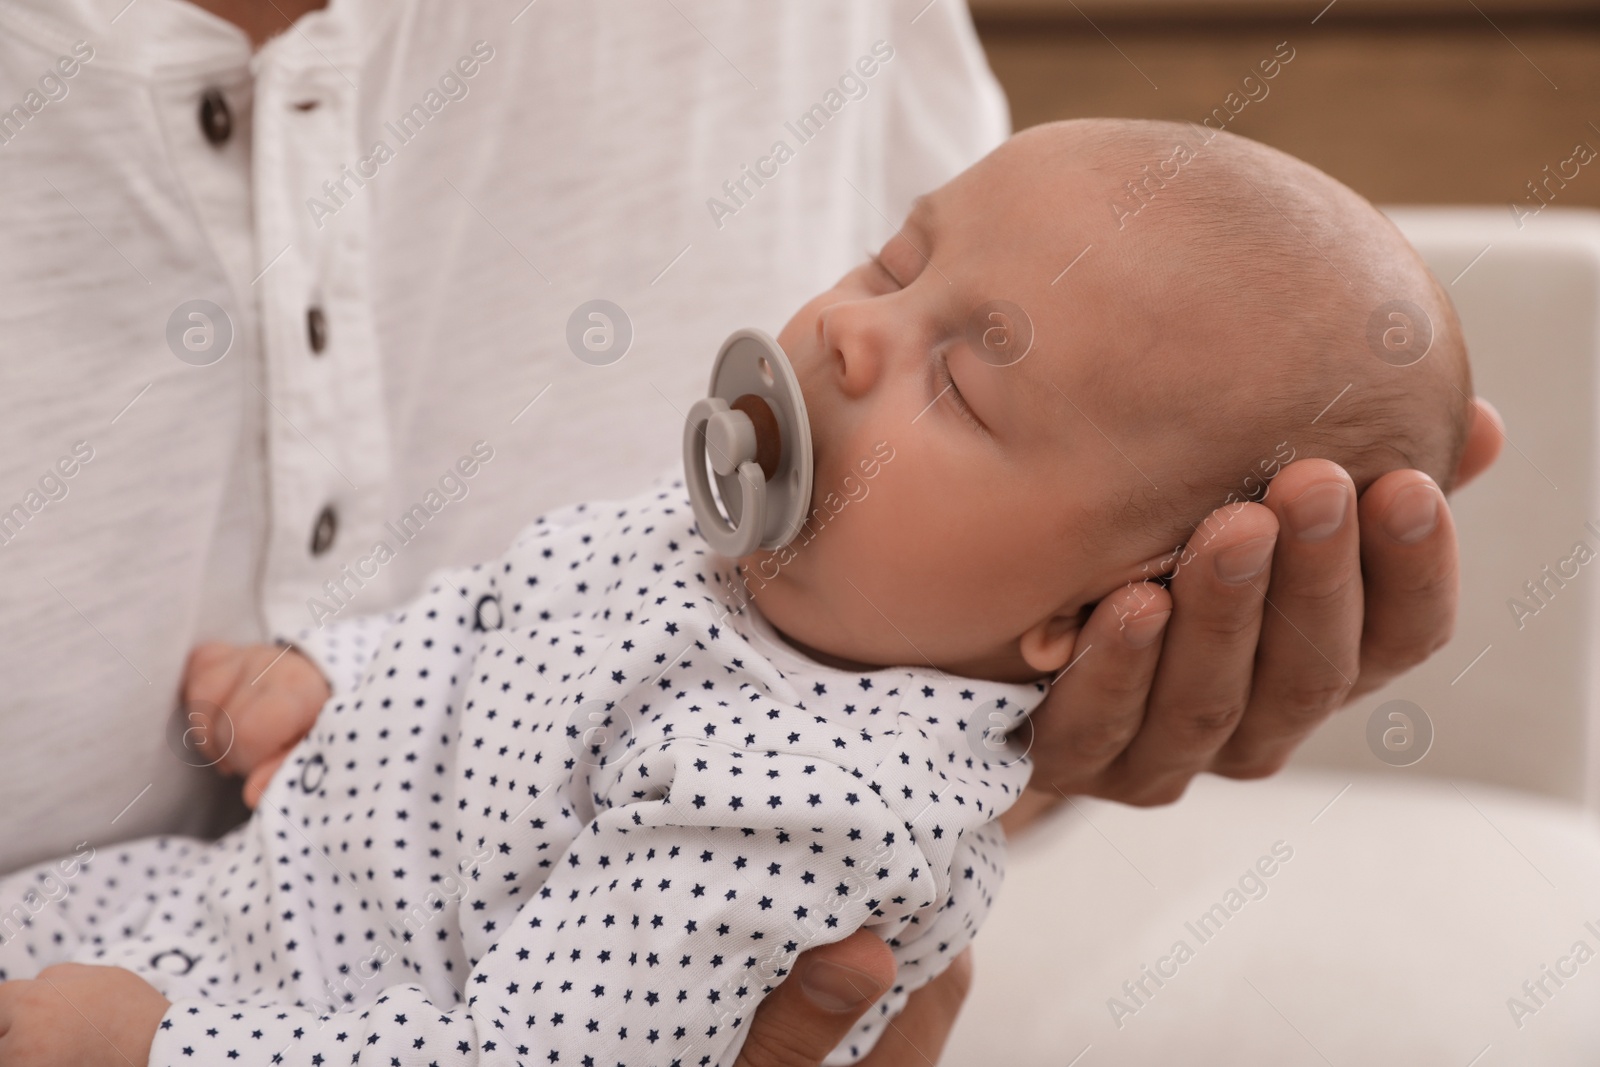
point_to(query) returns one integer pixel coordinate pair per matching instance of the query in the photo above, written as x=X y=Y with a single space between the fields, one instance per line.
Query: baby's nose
x=856 y=344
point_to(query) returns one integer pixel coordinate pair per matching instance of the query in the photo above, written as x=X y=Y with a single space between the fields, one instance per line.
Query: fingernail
x=1316 y=513
x=1413 y=514
x=1142 y=632
x=1243 y=562
x=835 y=987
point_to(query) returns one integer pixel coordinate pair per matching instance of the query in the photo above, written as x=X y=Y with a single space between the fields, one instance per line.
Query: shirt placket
x=325 y=419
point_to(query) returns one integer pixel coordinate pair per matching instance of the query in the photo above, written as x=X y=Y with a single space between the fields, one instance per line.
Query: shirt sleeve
x=945 y=108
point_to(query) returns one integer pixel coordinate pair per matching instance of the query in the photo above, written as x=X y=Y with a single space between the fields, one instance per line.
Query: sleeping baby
x=585 y=802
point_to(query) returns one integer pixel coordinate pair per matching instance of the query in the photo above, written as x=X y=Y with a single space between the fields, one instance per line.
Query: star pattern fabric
x=578 y=810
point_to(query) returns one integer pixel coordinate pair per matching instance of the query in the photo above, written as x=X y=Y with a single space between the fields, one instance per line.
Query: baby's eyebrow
x=873 y=257
x=918 y=231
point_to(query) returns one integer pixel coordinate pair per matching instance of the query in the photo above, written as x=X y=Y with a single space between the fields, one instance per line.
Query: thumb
x=256 y=784
x=818 y=1004
x=1486 y=434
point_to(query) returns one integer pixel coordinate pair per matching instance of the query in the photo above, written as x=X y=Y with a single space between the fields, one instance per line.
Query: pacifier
x=754 y=431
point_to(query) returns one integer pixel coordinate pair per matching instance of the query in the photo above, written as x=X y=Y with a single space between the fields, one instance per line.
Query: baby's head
x=1193 y=312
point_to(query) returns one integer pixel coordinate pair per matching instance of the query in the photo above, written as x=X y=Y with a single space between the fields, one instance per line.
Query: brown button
x=216 y=122
x=317 y=330
x=322 y=533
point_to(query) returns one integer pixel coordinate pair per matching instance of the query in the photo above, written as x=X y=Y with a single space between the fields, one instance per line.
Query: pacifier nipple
x=756 y=435
x=759 y=447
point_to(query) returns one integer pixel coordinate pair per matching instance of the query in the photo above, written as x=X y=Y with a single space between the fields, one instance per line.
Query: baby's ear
x=1047 y=646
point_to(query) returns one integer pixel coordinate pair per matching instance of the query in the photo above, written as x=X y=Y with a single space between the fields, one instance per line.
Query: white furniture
x=1417 y=901
x=1521 y=715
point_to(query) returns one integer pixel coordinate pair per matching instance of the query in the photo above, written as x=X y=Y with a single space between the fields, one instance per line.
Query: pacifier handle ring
x=732 y=541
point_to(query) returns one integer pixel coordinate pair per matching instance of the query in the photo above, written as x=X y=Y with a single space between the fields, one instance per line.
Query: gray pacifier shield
x=765 y=512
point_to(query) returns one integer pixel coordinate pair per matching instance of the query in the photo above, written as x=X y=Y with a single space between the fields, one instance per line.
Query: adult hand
x=832 y=987
x=1229 y=682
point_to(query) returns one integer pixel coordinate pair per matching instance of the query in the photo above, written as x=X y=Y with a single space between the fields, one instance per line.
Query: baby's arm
x=657 y=932
x=342 y=648
x=247 y=706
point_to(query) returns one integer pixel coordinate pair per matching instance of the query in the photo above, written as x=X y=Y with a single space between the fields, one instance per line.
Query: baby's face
x=962 y=500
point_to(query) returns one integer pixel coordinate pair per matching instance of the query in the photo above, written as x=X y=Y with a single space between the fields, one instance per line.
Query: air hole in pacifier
x=766 y=370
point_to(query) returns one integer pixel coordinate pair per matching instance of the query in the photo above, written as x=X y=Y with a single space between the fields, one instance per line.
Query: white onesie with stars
x=572 y=808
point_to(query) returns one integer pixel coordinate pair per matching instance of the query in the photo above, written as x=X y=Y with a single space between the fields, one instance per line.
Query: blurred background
x=1406 y=101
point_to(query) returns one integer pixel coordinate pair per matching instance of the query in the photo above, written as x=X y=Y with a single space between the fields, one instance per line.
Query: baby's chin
x=773 y=565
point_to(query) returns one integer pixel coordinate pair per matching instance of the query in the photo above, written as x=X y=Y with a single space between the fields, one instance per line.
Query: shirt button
x=322 y=533
x=215 y=120
x=317 y=330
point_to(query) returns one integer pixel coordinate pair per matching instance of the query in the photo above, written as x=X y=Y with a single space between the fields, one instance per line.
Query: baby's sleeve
x=342 y=649
x=949 y=801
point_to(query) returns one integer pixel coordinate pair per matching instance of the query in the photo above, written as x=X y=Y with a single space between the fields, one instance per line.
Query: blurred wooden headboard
x=1407 y=101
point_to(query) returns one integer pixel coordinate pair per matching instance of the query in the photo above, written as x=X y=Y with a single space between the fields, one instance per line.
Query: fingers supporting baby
x=1309 y=654
x=1486 y=436
x=819 y=1003
x=1252 y=663
x=1203 y=682
x=1412 y=562
x=918 y=1034
x=1096 y=705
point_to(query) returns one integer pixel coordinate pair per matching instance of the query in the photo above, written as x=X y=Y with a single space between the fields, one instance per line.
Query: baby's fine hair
x=1338 y=341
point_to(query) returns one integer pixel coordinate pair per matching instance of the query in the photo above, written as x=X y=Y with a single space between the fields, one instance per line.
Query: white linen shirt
x=382 y=326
